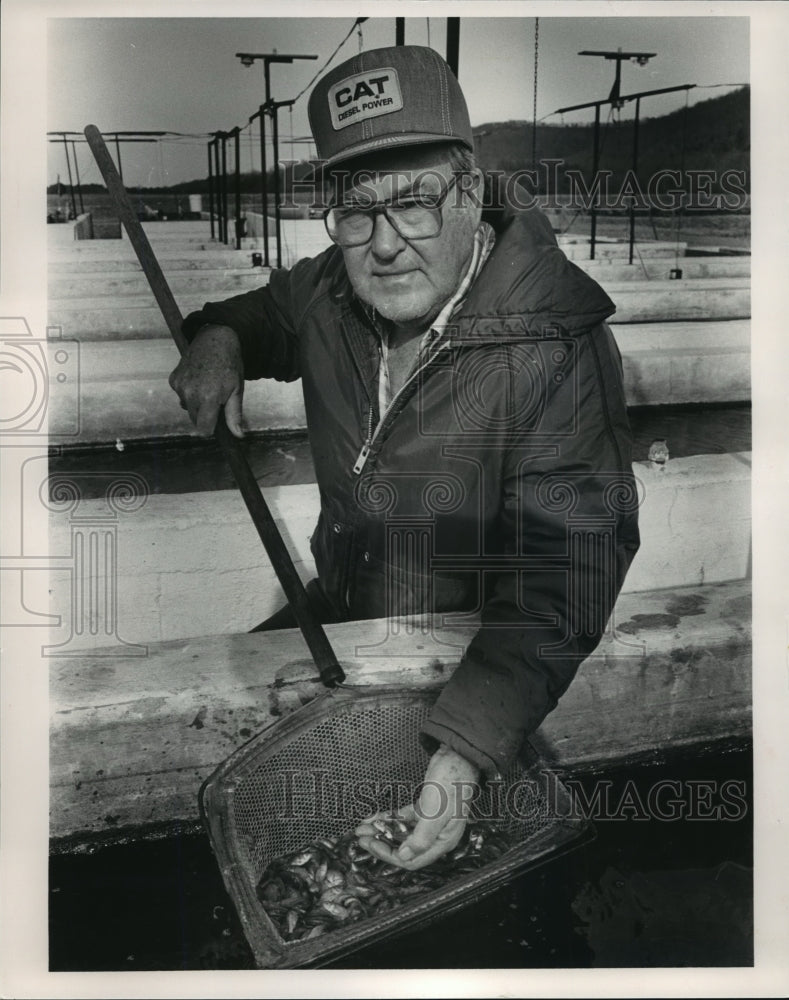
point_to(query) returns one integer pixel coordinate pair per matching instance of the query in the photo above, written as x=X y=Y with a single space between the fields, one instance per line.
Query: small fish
x=271 y=892
x=334 y=877
x=363 y=891
x=303 y=876
x=411 y=890
x=382 y=830
x=334 y=880
x=335 y=910
x=476 y=839
x=355 y=907
x=333 y=895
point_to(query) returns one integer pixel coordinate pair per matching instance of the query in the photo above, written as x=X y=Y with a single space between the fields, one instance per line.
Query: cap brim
x=376 y=144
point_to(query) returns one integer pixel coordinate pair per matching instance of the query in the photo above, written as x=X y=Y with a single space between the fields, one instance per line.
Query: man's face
x=408 y=281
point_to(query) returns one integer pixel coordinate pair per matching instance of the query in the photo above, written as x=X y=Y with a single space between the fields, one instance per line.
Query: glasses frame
x=383 y=208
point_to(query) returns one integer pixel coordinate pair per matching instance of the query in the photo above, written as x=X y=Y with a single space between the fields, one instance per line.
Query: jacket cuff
x=192 y=324
x=434 y=733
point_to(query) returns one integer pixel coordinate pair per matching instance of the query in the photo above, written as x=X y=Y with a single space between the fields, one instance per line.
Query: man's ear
x=475 y=194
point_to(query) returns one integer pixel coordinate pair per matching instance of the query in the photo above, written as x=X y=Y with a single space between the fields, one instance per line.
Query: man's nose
x=386 y=241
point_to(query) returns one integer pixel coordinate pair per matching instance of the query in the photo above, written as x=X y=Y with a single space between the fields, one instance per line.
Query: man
x=458 y=375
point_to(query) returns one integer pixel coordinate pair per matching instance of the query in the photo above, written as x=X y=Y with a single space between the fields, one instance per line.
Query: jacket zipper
x=361 y=460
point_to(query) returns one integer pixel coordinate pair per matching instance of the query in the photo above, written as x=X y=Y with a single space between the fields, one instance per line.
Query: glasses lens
x=349 y=227
x=414 y=220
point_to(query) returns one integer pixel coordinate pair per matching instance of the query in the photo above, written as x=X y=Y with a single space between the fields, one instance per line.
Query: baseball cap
x=405 y=95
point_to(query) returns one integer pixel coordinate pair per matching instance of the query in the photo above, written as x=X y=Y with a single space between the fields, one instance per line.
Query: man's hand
x=440 y=814
x=211 y=375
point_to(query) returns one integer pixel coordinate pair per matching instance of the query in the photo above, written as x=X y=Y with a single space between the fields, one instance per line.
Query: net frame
x=251 y=805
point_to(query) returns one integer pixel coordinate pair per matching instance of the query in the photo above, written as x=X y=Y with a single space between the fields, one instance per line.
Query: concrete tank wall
x=192 y=564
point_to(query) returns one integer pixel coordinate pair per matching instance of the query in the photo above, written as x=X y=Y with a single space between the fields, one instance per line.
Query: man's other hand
x=439 y=815
x=211 y=375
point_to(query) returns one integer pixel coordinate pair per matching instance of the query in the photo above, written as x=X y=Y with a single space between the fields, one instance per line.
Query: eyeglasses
x=414 y=217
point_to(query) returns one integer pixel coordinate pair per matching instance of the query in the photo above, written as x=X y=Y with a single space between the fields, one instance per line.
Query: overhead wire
x=356 y=23
x=534 y=100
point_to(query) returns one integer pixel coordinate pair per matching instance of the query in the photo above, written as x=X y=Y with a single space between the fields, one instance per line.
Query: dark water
x=187 y=465
x=647 y=891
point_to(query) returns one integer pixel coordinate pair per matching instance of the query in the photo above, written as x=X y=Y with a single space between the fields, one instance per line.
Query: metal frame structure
x=619 y=101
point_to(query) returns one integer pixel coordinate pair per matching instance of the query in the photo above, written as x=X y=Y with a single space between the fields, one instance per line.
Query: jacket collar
x=527 y=288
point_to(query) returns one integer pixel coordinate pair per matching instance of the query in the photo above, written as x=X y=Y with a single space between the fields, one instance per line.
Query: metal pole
x=217 y=189
x=595 y=167
x=219 y=207
x=267 y=80
x=277 y=220
x=399 y=31
x=224 y=187
x=79 y=183
x=70 y=182
x=453 y=43
x=211 y=189
x=118 y=151
x=237 y=152
x=264 y=184
x=635 y=174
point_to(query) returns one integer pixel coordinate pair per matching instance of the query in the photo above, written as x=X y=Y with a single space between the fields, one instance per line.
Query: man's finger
x=431 y=838
x=233 y=414
x=206 y=418
x=379 y=849
x=365 y=826
x=421 y=840
x=422 y=860
x=365 y=830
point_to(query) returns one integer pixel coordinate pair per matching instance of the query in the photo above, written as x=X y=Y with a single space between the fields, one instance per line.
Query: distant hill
x=712 y=135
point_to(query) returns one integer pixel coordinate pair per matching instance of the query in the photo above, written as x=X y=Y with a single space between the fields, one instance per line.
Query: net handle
x=331 y=673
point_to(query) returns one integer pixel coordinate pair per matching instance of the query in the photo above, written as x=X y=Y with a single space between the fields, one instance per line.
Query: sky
x=181 y=74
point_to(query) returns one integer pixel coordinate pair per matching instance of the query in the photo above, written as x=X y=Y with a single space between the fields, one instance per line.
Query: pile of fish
x=334 y=881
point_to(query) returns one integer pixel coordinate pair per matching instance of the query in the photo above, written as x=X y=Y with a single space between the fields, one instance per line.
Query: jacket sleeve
x=569 y=524
x=267 y=319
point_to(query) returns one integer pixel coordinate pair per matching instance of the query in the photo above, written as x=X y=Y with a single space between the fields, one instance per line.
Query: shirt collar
x=484 y=239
